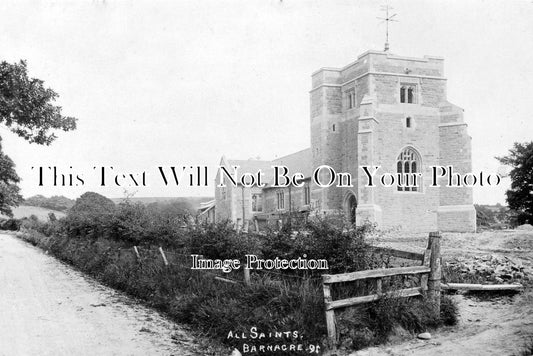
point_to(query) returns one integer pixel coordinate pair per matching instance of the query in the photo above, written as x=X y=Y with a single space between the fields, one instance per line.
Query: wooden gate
x=429 y=269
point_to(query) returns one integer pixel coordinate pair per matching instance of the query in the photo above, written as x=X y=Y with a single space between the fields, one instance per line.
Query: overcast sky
x=158 y=83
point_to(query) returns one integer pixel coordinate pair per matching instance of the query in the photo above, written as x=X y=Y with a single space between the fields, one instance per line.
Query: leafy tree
x=27 y=109
x=9 y=191
x=56 y=202
x=484 y=216
x=520 y=196
x=90 y=216
x=178 y=209
x=92 y=203
x=26 y=106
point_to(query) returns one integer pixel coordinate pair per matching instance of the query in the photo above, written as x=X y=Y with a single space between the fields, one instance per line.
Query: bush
x=10 y=224
x=345 y=249
x=373 y=323
x=220 y=241
x=527 y=349
x=449 y=311
x=98 y=241
x=90 y=216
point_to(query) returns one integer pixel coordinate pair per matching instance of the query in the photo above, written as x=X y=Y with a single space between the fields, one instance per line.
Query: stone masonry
x=373 y=112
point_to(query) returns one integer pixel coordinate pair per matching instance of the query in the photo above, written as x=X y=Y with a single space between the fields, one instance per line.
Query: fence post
x=379 y=289
x=435 y=273
x=330 y=317
x=246 y=275
x=136 y=252
x=163 y=255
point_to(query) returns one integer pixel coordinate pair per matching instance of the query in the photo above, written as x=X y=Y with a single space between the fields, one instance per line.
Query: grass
x=193 y=297
x=270 y=304
x=527 y=349
x=373 y=323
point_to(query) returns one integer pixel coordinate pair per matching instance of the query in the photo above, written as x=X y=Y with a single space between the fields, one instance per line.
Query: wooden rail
x=429 y=272
x=373 y=273
x=399 y=253
x=482 y=287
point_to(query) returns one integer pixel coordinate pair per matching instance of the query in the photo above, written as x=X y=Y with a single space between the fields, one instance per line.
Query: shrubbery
x=373 y=323
x=10 y=224
x=96 y=236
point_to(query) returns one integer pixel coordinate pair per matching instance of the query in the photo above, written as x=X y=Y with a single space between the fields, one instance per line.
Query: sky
x=180 y=83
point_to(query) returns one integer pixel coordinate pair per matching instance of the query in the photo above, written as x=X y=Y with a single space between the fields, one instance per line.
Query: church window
x=408 y=93
x=408 y=122
x=307 y=194
x=350 y=97
x=411 y=95
x=333 y=128
x=223 y=193
x=281 y=200
x=408 y=163
x=257 y=203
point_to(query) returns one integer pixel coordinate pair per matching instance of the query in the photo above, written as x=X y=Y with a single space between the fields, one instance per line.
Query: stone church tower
x=381 y=110
x=391 y=111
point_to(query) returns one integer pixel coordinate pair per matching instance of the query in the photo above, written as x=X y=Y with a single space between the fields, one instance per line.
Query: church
x=381 y=110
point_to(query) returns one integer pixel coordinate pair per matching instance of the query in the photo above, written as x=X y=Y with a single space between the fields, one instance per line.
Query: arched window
x=408 y=93
x=408 y=163
x=411 y=95
x=350 y=98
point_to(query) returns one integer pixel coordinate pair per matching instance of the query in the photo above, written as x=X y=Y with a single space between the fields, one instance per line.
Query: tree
x=93 y=204
x=27 y=109
x=26 y=106
x=520 y=196
x=56 y=202
x=90 y=216
x=9 y=191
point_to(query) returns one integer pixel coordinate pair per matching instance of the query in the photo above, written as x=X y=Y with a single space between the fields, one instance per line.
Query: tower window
x=407 y=165
x=333 y=128
x=408 y=93
x=408 y=122
x=350 y=98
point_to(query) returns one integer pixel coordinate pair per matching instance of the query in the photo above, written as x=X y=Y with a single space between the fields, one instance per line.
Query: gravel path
x=47 y=308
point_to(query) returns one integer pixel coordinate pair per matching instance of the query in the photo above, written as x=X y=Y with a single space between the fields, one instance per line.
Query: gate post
x=435 y=273
x=330 y=316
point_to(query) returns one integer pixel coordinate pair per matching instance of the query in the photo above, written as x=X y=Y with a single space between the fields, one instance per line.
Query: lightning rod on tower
x=387 y=19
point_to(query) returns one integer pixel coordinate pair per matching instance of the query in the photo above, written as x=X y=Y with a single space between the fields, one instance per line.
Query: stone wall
x=374 y=132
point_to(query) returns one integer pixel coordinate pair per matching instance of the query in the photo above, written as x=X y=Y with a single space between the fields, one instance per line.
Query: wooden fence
x=429 y=271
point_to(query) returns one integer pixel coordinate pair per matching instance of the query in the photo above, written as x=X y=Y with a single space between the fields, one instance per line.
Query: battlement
x=379 y=62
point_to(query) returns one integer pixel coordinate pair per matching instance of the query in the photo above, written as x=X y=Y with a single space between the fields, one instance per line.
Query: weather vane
x=387 y=19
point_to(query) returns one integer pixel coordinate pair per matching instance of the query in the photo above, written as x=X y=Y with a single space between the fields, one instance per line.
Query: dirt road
x=47 y=308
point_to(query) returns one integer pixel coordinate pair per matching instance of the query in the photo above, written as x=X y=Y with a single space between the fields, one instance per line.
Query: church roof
x=252 y=166
x=298 y=162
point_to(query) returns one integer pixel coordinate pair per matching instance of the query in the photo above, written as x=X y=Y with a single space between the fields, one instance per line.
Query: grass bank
x=279 y=309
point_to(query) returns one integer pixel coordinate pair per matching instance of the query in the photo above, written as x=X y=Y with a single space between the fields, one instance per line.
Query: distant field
x=194 y=201
x=26 y=210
